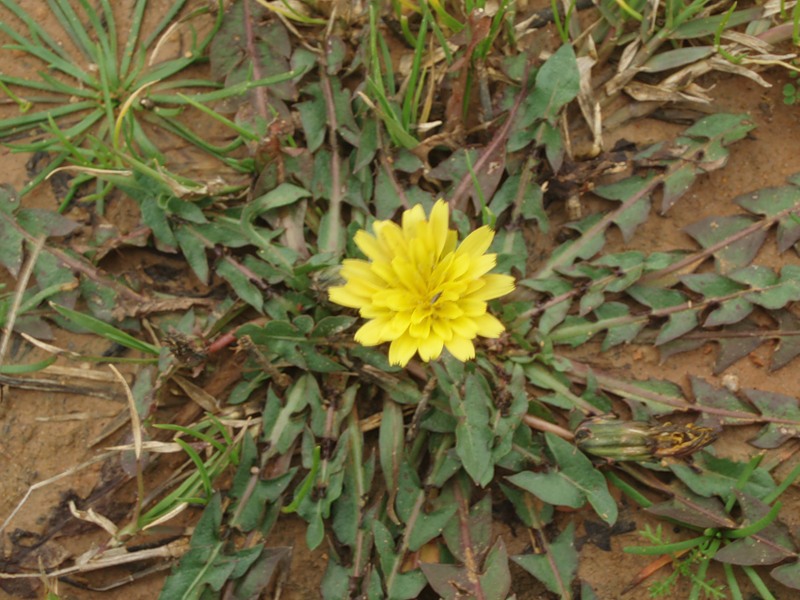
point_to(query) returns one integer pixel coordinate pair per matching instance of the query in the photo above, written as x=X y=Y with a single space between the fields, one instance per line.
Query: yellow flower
x=419 y=290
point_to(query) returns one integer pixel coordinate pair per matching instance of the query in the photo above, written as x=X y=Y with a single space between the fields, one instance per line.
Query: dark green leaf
x=473 y=433
x=767 y=546
x=694 y=510
x=313 y=117
x=788 y=575
x=719 y=476
x=193 y=248
x=240 y=283
x=789 y=344
x=390 y=442
x=732 y=256
x=718 y=398
x=206 y=565
x=557 y=568
x=776 y=406
x=399 y=585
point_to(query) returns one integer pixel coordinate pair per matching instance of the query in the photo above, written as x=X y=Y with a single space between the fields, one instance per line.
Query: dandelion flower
x=421 y=291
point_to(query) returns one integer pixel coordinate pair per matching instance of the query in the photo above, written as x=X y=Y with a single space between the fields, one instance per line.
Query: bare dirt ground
x=45 y=434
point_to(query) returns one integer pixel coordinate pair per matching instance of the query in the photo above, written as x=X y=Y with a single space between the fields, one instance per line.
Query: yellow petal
x=409 y=276
x=439 y=222
x=397 y=326
x=421 y=312
x=448 y=310
x=461 y=348
x=354 y=268
x=401 y=350
x=392 y=237
x=344 y=296
x=452 y=240
x=385 y=271
x=477 y=242
x=421 y=329
x=396 y=300
x=442 y=329
x=370 y=246
x=495 y=286
x=430 y=347
x=472 y=307
x=489 y=326
x=411 y=221
x=481 y=265
x=464 y=327
x=369 y=334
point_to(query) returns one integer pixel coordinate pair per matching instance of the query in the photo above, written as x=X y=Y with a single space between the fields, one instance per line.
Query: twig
x=22 y=285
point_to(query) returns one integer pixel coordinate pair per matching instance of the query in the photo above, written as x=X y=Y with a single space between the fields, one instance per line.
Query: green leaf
x=575 y=481
x=719 y=476
x=10 y=246
x=768 y=290
x=558 y=567
x=695 y=510
x=452 y=582
x=283 y=195
x=399 y=585
x=241 y=284
x=386 y=197
x=391 y=443
x=770 y=202
x=206 y=565
x=105 y=330
x=313 y=117
x=193 y=248
x=556 y=313
x=638 y=212
x=788 y=575
x=421 y=526
x=474 y=436
x=557 y=84
x=789 y=345
x=769 y=545
x=552 y=487
x=284 y=421
x=677 y=324
x=621 y=333
x=775 y=406
x=256 y=493
x=730 y=257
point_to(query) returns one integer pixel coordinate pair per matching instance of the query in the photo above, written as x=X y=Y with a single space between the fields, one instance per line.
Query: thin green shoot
x=627 y=9
x=416 y=78
x=444 y=17
x=24 y=105
x=475 y=182
x=758 y=583
x=194 y=432
x=27 y=368
x=105 y=330
x=202 y=472
x=796 y=24
x=718 y=37
x=485 y=45
x=287 y=11
x=561 y=26
x=308 y=482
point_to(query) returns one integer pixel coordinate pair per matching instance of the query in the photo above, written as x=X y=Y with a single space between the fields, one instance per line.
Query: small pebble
x=730 y=382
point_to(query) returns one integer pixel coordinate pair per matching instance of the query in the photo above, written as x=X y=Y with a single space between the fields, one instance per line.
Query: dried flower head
x=420 y=290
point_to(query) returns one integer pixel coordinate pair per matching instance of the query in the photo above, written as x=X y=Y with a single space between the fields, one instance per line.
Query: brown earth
x=45 y=434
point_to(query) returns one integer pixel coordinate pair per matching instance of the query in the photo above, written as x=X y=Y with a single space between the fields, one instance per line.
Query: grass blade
x=105 y=330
